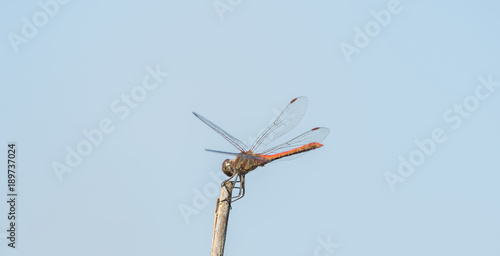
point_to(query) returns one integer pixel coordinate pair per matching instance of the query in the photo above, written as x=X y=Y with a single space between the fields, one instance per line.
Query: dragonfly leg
x=237 y=180
x=235 y=176
x=241 y=189
x=241 y=193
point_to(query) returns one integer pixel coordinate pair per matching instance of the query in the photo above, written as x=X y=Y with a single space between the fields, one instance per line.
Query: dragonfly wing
x=315 y=135
x=222 y=152
x=234 y=141
x=287 y=120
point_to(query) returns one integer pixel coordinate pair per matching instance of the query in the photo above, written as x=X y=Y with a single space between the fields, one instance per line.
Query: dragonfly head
x=227 y=167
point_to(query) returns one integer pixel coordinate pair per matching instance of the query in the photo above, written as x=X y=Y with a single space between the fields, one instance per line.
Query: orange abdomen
x=294 y=151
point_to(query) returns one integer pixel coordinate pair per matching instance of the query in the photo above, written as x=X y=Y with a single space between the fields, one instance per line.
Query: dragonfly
x=249 y=158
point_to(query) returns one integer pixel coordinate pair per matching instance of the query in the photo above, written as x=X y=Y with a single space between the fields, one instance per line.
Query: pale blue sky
x=418 y=74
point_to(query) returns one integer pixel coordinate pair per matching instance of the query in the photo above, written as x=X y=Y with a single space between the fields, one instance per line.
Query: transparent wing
x=287 y=120
x=315 y=135
x=222 y=152
x=234 y=141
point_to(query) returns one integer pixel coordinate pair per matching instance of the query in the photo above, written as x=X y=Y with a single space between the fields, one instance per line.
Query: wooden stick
x=221 y=218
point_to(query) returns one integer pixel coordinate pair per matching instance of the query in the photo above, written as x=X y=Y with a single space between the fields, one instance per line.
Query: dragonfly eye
x=227 y=167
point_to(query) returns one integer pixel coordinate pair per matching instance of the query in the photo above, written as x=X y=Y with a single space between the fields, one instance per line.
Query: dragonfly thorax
x=243 y=164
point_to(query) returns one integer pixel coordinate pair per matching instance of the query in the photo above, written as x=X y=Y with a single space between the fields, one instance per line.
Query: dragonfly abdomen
x=294 y=151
